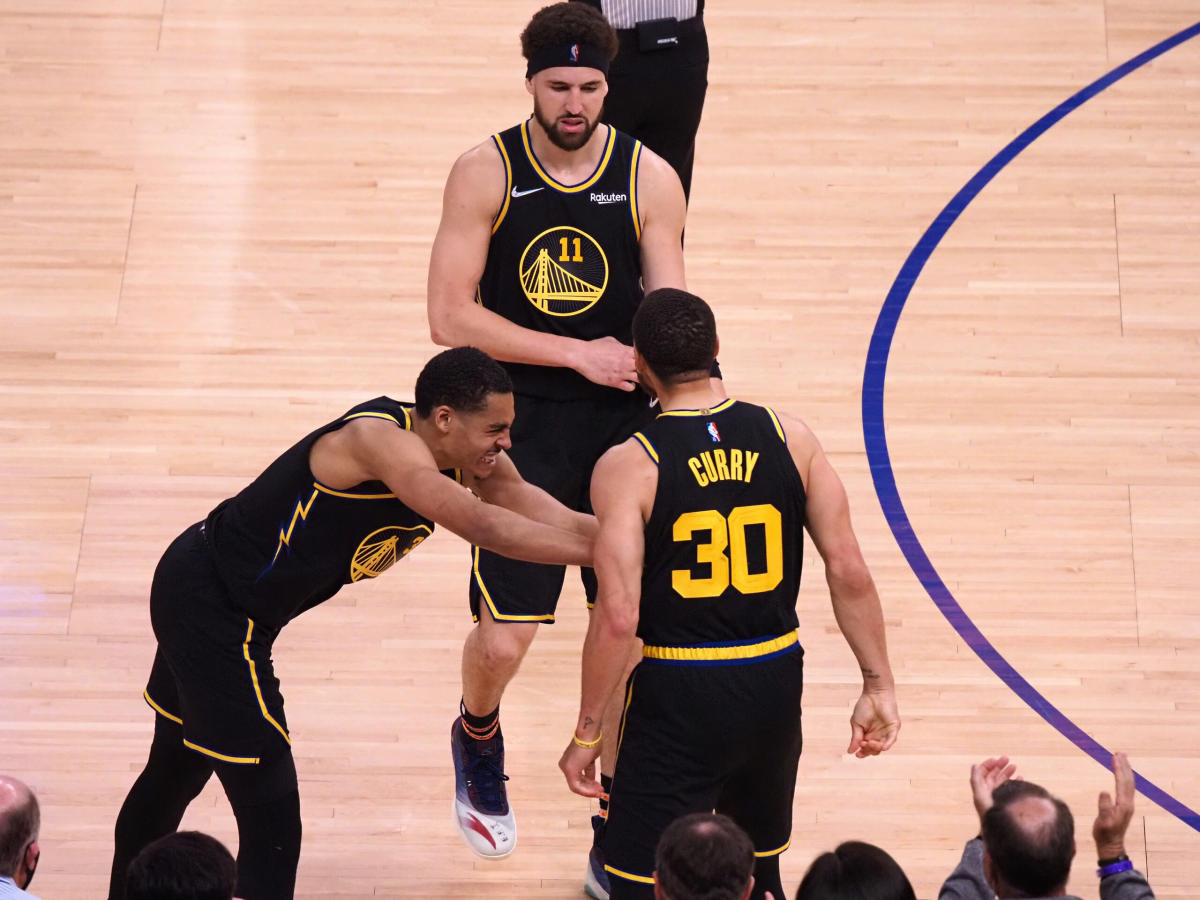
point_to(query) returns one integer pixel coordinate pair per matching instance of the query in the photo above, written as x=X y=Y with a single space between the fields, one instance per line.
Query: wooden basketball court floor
x=215 y=221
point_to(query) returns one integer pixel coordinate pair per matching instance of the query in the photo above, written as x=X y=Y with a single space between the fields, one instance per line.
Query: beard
x=560 y=139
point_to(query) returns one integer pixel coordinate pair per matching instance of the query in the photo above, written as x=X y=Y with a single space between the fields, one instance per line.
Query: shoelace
x=488 y=783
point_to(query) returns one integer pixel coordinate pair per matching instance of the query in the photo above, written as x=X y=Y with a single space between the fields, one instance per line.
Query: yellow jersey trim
x=628 y=876
x=507 y=182
x=720 y=407
x=764 y=853
x=496 y=614
x=775 y=421
x=327 y=490
x=646 y=445
x=558 y=185
x=633 y=179
x=254 y=680
x=243 y=760
x=158 y=709
x=728 y=651
x=371 y=415
x=407 y=425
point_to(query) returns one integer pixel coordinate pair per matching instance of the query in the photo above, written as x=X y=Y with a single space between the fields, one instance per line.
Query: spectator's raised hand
x=1115 y=811
x=986 y=777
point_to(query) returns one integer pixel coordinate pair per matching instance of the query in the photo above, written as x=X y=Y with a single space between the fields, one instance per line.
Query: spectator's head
x=703 y=856
x=1029 y=841
x=674 y=337
x=20 y=820
x=185 y=865
x=855 y=871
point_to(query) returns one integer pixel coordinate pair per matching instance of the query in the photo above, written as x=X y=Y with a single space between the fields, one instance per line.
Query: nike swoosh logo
x=517 y=193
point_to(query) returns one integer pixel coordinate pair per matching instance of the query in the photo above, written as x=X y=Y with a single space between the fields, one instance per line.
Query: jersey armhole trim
x=778 y=425
x=507 y=183
x=633 y=197
x=647 y=446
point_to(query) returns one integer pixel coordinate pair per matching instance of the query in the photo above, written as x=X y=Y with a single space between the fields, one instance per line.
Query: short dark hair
x=18 y=829
x=462 y=378
x=704 y=856
x=675 y=333
x=568 y=23
x=184 y=865
x=855 y=871
x=1036 y=862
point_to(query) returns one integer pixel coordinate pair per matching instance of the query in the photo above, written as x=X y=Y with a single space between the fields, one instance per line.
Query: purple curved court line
x=875 y=437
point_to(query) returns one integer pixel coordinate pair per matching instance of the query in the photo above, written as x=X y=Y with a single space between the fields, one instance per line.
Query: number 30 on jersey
x=732 y=567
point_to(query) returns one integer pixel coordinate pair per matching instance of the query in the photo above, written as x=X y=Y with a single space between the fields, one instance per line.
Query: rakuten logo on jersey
x=605 y=199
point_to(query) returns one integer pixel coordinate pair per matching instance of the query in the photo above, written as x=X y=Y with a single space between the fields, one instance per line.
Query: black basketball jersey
x=564 y=259
x=724 y=543
x=288 y=542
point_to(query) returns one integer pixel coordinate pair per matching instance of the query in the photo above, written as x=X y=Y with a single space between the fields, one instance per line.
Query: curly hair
x=462 y=378
x=568 y=23
x=675 y=333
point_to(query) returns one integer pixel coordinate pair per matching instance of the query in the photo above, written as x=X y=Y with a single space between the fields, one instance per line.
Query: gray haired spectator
x=20 y=821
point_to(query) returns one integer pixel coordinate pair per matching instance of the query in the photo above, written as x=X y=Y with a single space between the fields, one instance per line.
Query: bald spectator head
x=20 y=820
x=1029 y=841
x=703 y=855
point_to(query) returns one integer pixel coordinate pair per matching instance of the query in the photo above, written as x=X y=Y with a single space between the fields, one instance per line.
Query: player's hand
x=609 y=362
x=578 y=765
x=986 y=777
x=1114 y=815
x=874 y=724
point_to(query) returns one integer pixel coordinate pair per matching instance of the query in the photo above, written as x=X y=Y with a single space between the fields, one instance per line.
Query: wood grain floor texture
x=215 y=223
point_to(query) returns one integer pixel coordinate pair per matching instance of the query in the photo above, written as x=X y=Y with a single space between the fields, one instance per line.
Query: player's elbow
x=618 y=616
x=441 y=328
x=847 y=574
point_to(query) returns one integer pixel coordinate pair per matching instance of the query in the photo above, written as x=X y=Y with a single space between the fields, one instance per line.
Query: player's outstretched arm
x=621 y=482
x=372 y=449
x=505 y=487
x=875 y=721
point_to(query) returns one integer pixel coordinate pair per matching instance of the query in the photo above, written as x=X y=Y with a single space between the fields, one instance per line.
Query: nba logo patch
x=713 y=433
x=574 y=53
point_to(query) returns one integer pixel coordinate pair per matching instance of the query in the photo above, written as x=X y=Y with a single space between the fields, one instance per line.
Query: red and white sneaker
x=481 y=810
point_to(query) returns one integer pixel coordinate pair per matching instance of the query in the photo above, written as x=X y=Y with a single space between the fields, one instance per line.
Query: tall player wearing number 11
x=699 y=551
x=550 y=231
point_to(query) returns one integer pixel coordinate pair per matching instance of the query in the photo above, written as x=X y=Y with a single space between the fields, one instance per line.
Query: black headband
x=583 y=55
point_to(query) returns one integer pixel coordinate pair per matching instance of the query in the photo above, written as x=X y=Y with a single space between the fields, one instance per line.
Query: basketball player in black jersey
x=342 y=504
x=699 y=551
x=549 y=232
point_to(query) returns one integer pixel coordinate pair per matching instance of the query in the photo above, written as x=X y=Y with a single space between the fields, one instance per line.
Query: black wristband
x=1112 y=859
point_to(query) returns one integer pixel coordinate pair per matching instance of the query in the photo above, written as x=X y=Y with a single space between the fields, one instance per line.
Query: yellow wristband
x=586 y=745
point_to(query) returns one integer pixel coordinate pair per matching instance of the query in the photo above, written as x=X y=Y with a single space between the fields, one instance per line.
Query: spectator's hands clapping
x=986 y=777
x=1112 y=820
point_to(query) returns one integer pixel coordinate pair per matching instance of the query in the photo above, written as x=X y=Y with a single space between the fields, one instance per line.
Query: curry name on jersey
x=724 y=543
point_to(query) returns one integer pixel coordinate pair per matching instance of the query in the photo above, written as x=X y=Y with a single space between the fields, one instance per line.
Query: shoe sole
x=473 y=849
x=592 y=887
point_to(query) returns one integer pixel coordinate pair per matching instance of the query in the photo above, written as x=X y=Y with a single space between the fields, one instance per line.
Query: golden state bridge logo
x=380 y=549
x=563 y=271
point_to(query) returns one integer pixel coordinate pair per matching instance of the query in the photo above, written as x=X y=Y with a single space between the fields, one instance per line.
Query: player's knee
x=504 y=646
